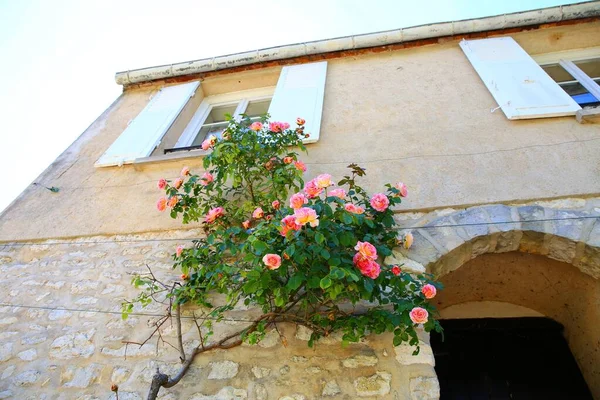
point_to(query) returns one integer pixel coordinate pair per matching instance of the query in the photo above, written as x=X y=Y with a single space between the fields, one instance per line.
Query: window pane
x=590 y=67
x=205 y=131
x=258 y=108
x=217 y=114
x=557 y=73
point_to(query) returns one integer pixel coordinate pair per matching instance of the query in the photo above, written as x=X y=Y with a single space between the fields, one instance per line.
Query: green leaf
x=260 y=246
x=319 y=238
x=334 y=261
x=295 y=281
x=325 y=283
x=325 y=254
x=369 y=285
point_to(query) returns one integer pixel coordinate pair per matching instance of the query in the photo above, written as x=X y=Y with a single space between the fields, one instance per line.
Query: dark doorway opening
x=508 y=358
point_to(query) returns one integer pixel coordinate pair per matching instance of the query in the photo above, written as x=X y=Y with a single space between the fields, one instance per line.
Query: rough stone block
x=73 y=345
x=406 y=263
x=82 y=377
x=331 y=388
x=6 y=352
x=508 y=241
x=374 y=385
x=28 y=355
x=530 y=214
x=223 y=370
x=422 y=250
x=360 y=361
x=404 y=354
x=474 y=221
x=226 y=393
x=261 y=372
x=424 y=388
x=499 y=214
x=27 y=378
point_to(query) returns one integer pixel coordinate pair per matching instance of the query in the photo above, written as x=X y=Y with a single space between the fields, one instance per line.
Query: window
x=210 y=118
x=299 y=92
x=580 y=79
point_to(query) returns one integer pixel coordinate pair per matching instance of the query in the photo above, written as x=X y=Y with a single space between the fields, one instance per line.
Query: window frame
x=242 y=98
x=565 y=59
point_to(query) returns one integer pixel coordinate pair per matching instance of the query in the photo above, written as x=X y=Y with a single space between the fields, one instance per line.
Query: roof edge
x=503 y=21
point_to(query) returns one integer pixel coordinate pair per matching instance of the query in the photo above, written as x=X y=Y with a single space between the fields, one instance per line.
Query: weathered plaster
x=418 y=115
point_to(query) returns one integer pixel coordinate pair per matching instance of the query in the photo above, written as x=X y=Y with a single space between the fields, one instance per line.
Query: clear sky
x=58 y=58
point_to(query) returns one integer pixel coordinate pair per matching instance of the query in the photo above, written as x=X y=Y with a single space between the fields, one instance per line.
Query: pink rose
x=360 y=261
x=402 y=188
x=429 y=291
x=213 y=214
x=172 y=201
x=306 y=215
x=396 y=270
x=178 y=182
x=275 y=127
x=353 y=208
x=185 y=171
x=209 y=142
x=289 y=224
x=162 y=183
x=246 y=224
x=276 y=204
x=312 y=189
x=258 y=213
x=285 y=125
x=298 y=200
x=288 y=160
x=161 y=204
x=179 y=250
x=366 y=266
x=371 y=270
x=256 y=126
x=300 y=121
x=272 y=261
x=323 y=181
x=340 y=193
x=380 y=202
x=366 y=249
x=419 y=315
x=300 y=166
x=206 y=178
x=408 y=240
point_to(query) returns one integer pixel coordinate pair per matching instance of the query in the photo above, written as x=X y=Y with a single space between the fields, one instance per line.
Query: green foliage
x=317 y=282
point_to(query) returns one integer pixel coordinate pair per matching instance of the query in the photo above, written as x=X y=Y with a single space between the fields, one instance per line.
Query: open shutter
x=144 y=133
x=519 y=85
x=299 y=93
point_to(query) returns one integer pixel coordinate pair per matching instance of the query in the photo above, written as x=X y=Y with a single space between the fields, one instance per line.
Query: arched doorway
x=504 y=316
x=518 y=261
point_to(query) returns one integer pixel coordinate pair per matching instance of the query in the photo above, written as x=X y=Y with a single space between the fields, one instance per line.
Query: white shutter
x=519 y=85
x=145 y=132
x=299 y=93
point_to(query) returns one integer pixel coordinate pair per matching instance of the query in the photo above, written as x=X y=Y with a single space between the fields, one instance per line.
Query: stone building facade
x=504 y=212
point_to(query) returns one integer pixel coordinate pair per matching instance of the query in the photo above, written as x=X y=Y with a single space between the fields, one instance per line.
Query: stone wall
x=61 y=337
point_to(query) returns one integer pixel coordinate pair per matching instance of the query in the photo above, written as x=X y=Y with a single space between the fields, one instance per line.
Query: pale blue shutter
x=519 y=85
x=145 y=132
x=299 y=93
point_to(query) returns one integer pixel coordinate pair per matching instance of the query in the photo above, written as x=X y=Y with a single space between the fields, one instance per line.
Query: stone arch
x=510 y=243
x=445 y=242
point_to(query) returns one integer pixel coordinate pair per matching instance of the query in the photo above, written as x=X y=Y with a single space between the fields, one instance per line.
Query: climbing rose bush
x=307 y=252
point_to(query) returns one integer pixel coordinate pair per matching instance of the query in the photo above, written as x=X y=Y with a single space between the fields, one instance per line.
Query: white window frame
x=566 y=60
x=241 y=98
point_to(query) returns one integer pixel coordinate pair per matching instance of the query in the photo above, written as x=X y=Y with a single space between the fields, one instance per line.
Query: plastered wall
x=419 y=115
